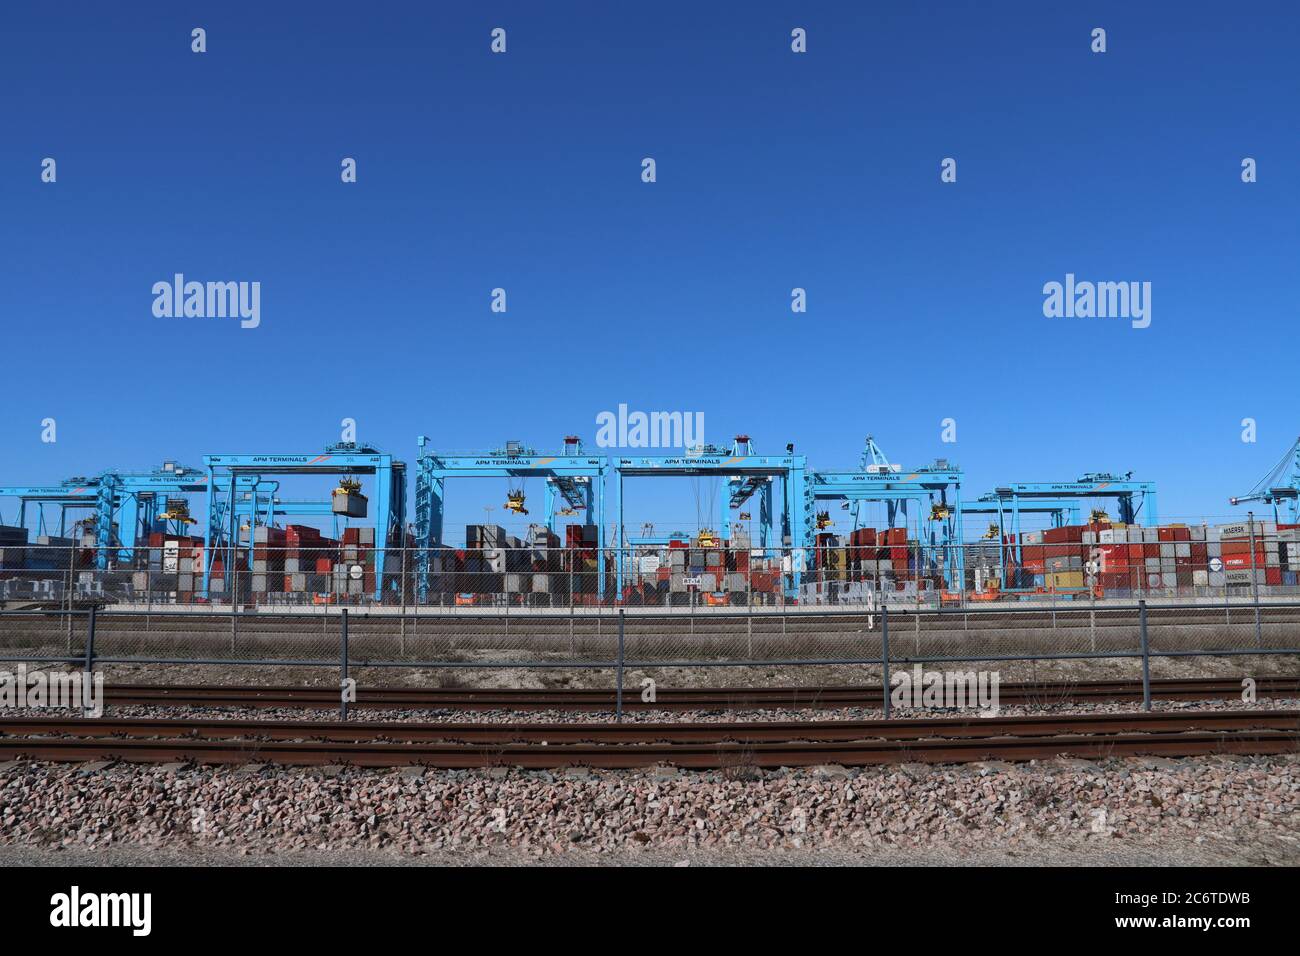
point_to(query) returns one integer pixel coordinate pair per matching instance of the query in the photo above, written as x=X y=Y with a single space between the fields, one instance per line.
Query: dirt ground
x=1234 y=666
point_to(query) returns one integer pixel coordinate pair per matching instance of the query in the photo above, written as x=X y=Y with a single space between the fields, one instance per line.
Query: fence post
x=343 y=665
x=1092 y=614
x=90 y=641
x=1146 y=655
x=1254 y=579
x=884 y=654
x=232 y=583
x=618 y=679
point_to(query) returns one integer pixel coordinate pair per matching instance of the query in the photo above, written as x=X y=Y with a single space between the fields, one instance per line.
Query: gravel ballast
x=1238 y=809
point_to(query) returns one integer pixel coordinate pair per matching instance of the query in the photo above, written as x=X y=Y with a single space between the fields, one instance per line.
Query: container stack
x=268 y=561
x=47 y=553
x=13 y=548
x=308 y=560
x=580 y=546
x=545 y=561
x=173 y=567
x=1250 y=555
x=354 y=572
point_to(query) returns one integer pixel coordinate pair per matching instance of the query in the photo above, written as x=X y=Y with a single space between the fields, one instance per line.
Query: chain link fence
x=645 y=637
x=684 y=580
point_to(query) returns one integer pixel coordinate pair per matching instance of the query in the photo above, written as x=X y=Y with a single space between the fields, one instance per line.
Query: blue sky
x=775 y=171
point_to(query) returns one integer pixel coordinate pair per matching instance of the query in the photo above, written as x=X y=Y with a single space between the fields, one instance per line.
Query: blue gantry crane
x=1131 y=497
x=74 y=494
x=573 y=480
x=936 y=490
x=349 y=460
x=1064 y=498
x=744 y=475
x=132 y=504
x=1061 y=512
x=1278 y=486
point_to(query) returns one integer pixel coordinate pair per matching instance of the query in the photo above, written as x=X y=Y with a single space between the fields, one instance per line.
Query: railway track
x=627 y=746
x=667 y=699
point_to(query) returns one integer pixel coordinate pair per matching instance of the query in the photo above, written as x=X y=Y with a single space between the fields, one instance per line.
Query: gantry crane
x=744 y=475
x=571 y=477
x=72 y=494
x=936 y=489
x=346 y=459
x=1271 y=490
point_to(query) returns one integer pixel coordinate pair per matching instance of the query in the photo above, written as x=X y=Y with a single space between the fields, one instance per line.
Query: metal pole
x=1146 y=655
x=90 y=642
x=343 y=665
x=1092 y=614
x=232 y=580
x=884 y=653
x=618 y=679
x=67 y=591
x=1254 y=579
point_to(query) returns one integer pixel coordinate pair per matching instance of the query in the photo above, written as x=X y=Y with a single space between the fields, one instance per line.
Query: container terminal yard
x=540 y=436
x=227 y=534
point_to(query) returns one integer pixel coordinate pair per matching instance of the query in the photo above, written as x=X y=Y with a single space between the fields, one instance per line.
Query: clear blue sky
x=775 y=170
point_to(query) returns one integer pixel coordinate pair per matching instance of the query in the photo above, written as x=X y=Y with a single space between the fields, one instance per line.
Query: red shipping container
x=1114 y=556
x=1237 y=546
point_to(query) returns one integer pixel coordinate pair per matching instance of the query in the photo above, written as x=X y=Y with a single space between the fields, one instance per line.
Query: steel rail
x=680 y=732
x=812 y=697
x=691 y=756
